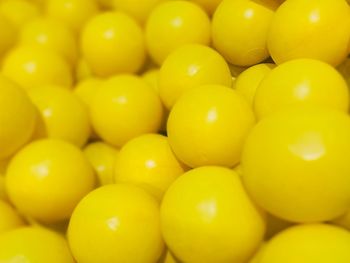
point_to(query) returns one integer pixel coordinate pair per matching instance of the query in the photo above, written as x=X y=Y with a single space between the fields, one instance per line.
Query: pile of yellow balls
x=174 y=131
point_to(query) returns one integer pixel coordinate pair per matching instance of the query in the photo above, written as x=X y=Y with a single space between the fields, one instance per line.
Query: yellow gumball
x=318 y=29
x=208 y=126
x=207 y=217
x=116 y=223
x=148 y=162
x=209 y=5
x=74 y=13
x=47 y=179
x=249 y=80
x=9 y=218
x=313 y=243
x=188 y=67
x=102 y=158
x=173 y=24
x=301 y=81
x=64 y=116
x=295 y=164
x=50 y=34
x=32 y=67
x=34 y=244
x=8 y=35
x=240 y=30
x=113 y=43
x=87 y=89
x=17 y=118
x=124 y=108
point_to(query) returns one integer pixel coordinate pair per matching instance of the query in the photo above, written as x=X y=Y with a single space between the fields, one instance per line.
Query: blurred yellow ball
x=208 y=126
x=207 y=216
x=113 y=43
x=173 y=24
x=124 y=108
x=188 y=67
x=9 y=218
x=47 y=179
x=124 y=227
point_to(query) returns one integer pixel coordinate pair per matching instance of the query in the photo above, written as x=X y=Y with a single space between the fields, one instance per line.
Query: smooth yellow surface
x=169 y=258
x=188 y=67
x=82 y=70
x=32 y=67
x=86 y=89
x=9 y=218
x=208 y=126
x=74 y=13
x=113 y=43
x=116 y=223
x=8 y=35
x=301 y=81
x=102 y=158
x=209 y=5
x=258 y=254
x=47 y=179
x=315 y=243
x=148 y=161
x=64 y=116
x=17 y=118
x=240 y=29
x=173 y=24
x=207 y=217
x=295 y=164
x=249 y=80
x=50 y=34
x=318 y=29
x=125 y=107
x=34 y=245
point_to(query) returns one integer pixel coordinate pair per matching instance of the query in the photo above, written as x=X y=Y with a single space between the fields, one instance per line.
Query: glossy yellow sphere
x=125 y=107
x=173 y=24
x=125 y=227
x=208 y=126
x=148 y=162
x=249 y=80
x=188 y=67
x=209 y=5
x=301 y=81
x=152 y=78
x=86 y=89
x=34 y=244
x=17 y=118
x=113 y=43
x=240 y=29
x=102 y=158
x=9 y=218
x=314 y=243
x=50 y=34
x=47 y=178
x=318 y=29
x=64 y=116
x=8 y=35
x=32 y=67
x=74 y=13
x=295 y=164
x=207 y=217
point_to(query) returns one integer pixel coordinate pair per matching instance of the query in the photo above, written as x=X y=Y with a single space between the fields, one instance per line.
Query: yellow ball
x=47 y=178
x=257 y=256
x=64 y=116
x=188 y=67
x=301 y=81
x=113 y=43
x=17 y=118
x=8 y=35
x=50 y=34
x=148 y=162
x=34 y=244
x=295 y=164
x=9 y=219
x=152 y=78
x=124 y=108
x=102 y=158
x=173 y=24
x=74 y=13
x=124 y=227
x=209 y=5
x=32 y=67
x=318 y=29
x=314 y=243
x=240 y=30
x=86 y=89
x=208 y=126
x=207 y=216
